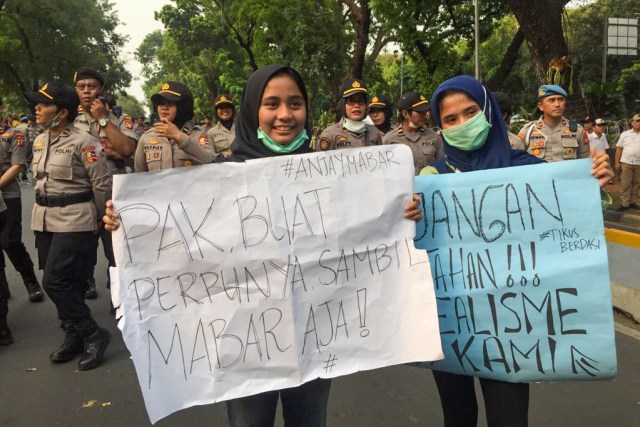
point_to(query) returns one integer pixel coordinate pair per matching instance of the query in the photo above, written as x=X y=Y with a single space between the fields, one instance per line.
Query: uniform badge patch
x=342 y=138
x=567 y=130
x=537 y=144
x=187 y=163
x=90 y=154
x=128 y=122
x=153 y=142
x=103 y=143
x=38 y=144
x=324 y=144
x=19 y=139
x=157 y=155
x=204 y=139
x=585 y=138
x=147 y=156
x=5 y=134
x=540 y=124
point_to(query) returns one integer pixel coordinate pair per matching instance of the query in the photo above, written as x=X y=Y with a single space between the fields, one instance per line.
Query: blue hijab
x=496 y=151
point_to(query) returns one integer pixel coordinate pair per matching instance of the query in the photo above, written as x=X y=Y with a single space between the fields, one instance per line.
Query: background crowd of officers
x=78 y=139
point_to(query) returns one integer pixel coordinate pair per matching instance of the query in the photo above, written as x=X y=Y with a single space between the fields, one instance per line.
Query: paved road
x=35 y=392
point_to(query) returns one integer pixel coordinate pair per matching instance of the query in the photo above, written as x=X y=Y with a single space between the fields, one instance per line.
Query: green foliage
x=130 y=105
x=584 y=31
x=44 y=39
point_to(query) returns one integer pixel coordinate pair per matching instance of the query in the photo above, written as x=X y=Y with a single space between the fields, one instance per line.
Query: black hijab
x=246 y=145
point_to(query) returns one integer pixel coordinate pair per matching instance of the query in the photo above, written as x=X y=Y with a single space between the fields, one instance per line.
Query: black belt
x=64 y=200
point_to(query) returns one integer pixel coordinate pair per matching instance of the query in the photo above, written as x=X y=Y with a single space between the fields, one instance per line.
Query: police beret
x=351 y=87
x=84 y=73
x=548 y=90
x=413 y=101
x=55 y=92
x=223 y=99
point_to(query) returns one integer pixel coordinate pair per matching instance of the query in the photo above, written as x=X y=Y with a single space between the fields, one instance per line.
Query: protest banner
x=237 y=279
x=519 y=265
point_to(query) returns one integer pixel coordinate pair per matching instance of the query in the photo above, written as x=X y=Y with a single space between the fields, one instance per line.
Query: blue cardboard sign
x=519 y=265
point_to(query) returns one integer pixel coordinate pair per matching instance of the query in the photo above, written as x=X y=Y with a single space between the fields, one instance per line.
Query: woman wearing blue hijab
x=475 y=138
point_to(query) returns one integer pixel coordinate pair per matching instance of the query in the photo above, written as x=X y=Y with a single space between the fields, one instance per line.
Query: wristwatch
x=103 y=122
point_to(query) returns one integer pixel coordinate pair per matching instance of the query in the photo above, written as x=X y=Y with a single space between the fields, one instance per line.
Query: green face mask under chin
x=283 y=149
x=470 y=135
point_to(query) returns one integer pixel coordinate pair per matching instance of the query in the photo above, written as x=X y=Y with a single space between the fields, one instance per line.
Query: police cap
x=172 y=91
x=55 y=92
x=548 y=90
x=600 y=122
x=352 y=87
x=413 y=101
x=223 y=99
x=85 y=73
x=379 y=102
x=636 y=118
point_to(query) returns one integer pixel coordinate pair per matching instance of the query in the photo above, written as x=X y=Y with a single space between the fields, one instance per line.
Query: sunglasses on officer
x=356 y=99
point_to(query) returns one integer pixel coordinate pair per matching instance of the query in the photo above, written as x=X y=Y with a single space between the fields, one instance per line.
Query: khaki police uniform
x=515 y=142
x=425 y=145
x=554 y=144
x=124 y=124
x=336 y=137
x=14 y=147
x=72 y=182
x=156 y=153
x=221 y=138
x=13 y=142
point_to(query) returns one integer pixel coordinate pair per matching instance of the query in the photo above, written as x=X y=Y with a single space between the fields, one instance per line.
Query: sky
x=136 y=21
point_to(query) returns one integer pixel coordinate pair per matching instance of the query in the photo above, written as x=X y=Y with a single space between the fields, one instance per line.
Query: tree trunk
x=508 y=61
x=360 y=17
x=541 y=23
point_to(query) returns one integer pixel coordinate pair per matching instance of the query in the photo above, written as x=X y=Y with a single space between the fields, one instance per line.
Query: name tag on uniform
x=537 y=144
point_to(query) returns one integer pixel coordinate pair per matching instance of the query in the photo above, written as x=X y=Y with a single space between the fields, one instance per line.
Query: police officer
x=174 y=141
x=72 y=185
x=13 y=143
x=117 y=137
x=5 y=333
x=380 y=113
x=351 y=131
x=413 y=132
x=553 y=137
x=224 y=131
x=138 y=127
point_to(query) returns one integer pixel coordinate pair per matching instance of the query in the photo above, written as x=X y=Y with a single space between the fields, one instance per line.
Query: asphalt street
x=35 y=392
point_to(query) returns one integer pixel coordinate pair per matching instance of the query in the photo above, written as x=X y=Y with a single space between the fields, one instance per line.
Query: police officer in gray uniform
x=118 y=140
x=413 y=132
x=553 y=137
x=351 y=131
x=14 y=143
x=5 y=333
x=72 y=185
x=174 y=141
x=223 y=132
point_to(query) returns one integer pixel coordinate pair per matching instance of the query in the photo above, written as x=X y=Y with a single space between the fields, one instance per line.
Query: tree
x=41 y=40
x=130 y=105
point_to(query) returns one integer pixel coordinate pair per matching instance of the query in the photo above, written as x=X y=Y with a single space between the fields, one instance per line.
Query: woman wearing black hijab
x=380 y=113
x=273 y=122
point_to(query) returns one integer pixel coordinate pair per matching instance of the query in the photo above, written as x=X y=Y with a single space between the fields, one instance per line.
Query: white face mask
x=54 y=122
